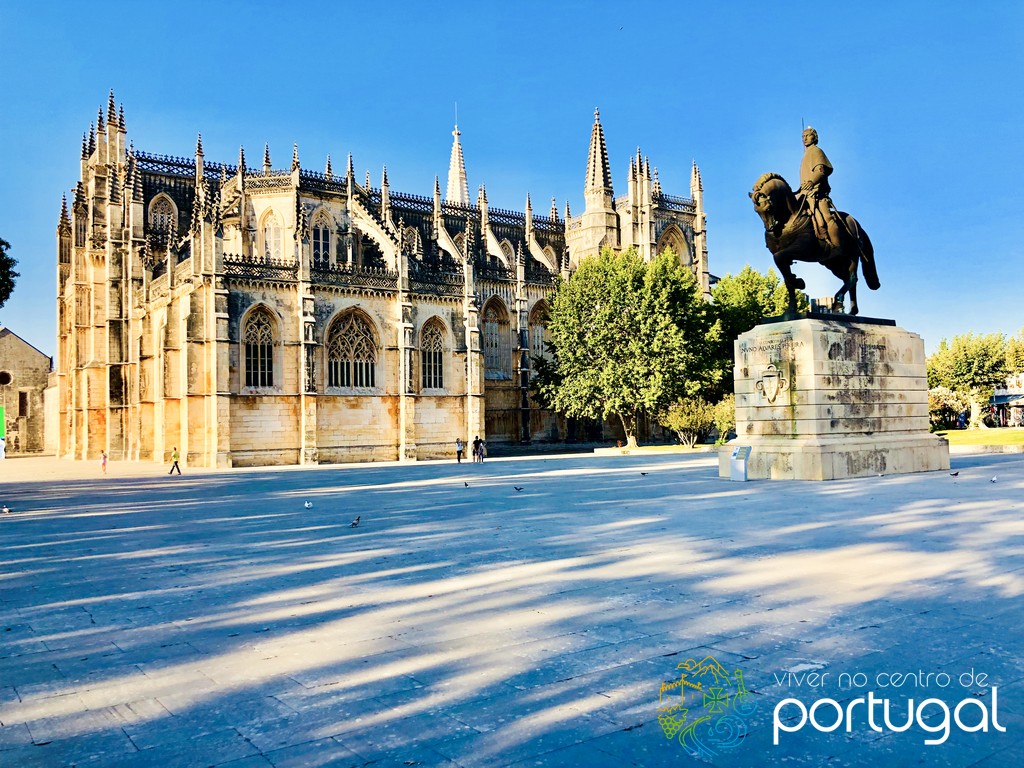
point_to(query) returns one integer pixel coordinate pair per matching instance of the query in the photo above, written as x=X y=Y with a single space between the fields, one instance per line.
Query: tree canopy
x=7 y=273
x=628 y=339
x=970 y=364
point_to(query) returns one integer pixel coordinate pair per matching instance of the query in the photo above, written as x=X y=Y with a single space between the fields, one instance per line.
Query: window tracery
x=351 y=353
x=258 y=339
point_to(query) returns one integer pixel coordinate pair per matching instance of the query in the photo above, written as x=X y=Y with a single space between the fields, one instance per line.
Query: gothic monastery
x=258 y=316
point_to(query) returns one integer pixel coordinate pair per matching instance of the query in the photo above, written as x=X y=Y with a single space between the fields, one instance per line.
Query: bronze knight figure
x=807 y=227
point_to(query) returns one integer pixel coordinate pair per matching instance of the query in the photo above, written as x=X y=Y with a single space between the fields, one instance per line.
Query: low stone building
x=23 y=378
x=253 y=316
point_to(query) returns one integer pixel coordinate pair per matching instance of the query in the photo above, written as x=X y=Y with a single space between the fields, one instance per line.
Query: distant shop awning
x=1014 y=400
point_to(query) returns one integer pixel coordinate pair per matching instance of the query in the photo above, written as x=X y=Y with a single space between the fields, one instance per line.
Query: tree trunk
x=976 y=415
x=629 y=427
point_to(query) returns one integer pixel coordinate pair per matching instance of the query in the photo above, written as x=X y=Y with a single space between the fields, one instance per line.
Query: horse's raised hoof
x=799 y=283
x=854 y=310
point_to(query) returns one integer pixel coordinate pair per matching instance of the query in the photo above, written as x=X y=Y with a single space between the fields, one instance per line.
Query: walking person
x=483 y=451
x=174 y=458
x=459 y=448
x=103 y=461
x=476 y=449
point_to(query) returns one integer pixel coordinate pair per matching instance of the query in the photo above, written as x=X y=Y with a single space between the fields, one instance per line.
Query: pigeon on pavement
x=355 y=522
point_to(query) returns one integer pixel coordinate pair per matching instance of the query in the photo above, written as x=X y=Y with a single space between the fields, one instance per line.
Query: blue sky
x=918 y=105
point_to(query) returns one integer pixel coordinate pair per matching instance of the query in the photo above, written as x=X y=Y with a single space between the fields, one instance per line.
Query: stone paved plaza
x=213 y=619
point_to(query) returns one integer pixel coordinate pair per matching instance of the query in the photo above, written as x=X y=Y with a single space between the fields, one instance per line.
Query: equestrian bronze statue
x=807 y=227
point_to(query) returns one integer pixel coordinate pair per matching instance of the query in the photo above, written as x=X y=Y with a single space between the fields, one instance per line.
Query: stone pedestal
x=827 y=397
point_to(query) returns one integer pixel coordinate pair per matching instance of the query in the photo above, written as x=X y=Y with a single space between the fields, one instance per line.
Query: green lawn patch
x=1000 y=436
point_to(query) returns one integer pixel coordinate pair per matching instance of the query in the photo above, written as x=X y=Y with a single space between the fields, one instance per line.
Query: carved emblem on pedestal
x=772 y=383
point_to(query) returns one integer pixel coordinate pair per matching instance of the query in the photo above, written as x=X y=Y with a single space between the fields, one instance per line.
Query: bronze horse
x=789 y=235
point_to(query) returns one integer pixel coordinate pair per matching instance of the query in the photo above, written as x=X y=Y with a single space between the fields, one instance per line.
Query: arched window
x=673 y=238
x=258 y=340
x=351 y=353
x=497 y=345
x=321 y=240
x=273 y=237
x=538 y=329
x=161 y=215
x=432 y=355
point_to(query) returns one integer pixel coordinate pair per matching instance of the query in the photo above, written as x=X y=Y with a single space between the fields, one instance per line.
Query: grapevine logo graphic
x=709 y=714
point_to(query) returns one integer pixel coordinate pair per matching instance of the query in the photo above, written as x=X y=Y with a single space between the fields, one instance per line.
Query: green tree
x=628 y=339
x=725 y=417
x=945 y=406
x=691 y=419
x=742 y=301
x=970 y=364
x=7 y=273
x=1015 y=353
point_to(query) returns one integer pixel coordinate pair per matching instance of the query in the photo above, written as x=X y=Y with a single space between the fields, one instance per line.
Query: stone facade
x=25 y=370
x=825 y=399
x=255 y=316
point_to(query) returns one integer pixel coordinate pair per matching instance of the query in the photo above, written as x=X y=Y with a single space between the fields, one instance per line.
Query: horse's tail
x=867 y=262
x=867 y=252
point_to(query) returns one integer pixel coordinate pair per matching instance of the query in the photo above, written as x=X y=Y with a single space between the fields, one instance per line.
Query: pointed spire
x=92 y=139
x=656 y=187
x=199 y=144
x=458 y=188
x=568 y=213
x=529 y=206
x=64 y=220
x=351 y=171
x=241 y=160
x=599 y=176
x=437 y=187
x=85 y=148
x=368 y=186
x=696 y=184
x=111 y=109
x=327 y=171
x=266 y=159
x=384 y=179
x=121 y=126
x=481 y=203
x=295 y=157
x=647 y=167
x=554 y=210
x=99 y=119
